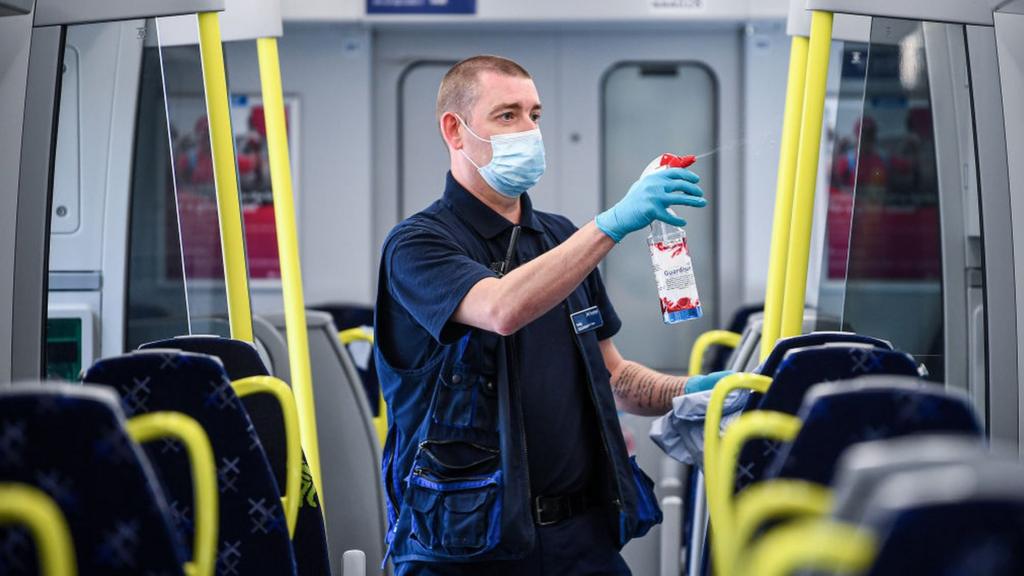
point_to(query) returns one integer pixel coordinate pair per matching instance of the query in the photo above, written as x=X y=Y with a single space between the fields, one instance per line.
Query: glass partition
x=195 y=189
x=894 y=271
x=157 y=306
x=840 y=147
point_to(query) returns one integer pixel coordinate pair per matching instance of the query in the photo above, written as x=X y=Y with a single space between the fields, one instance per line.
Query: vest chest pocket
x=455 y=519
x=466 y=398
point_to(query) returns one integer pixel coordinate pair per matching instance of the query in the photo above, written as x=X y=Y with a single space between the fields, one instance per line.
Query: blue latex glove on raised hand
x=649 y=199
x=702 y=382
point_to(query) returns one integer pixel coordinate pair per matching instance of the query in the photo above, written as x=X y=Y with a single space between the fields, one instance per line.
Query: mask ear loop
x=463 y=150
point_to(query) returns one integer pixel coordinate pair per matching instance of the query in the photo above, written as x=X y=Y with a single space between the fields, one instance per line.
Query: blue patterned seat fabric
x=955 y=539
x=253 y=537
x=70 y=442
x=838 y=415
x=802 y=369
x=785 y=345
x=241 y=360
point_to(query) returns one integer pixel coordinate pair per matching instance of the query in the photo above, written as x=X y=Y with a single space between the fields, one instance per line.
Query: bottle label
x=677 y=286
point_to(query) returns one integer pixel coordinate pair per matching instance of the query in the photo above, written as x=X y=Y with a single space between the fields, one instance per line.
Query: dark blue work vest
x=455 y=465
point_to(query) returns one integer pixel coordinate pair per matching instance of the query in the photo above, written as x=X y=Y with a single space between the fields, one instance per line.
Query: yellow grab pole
x=225 y=175
x=790 y=145
x=806 y=174
x=288 y=252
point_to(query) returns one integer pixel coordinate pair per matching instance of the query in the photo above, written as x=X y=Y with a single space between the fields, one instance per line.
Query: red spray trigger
x=673 y=161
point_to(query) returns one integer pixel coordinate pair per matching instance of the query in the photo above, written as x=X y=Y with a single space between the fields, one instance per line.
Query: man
x=494 y=351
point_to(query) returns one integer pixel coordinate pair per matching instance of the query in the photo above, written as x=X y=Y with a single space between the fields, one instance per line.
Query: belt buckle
x=538 y=512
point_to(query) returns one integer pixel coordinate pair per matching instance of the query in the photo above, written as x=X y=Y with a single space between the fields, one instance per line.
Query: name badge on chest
x=587 y=320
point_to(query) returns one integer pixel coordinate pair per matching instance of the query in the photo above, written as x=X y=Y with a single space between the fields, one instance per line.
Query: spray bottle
x=673 y=269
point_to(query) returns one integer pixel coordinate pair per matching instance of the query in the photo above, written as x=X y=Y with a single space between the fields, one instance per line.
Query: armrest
x=380 y=422
x=708 y=339
x=176 y=426
x=758 y=424
x=812 y=544
x=773 y=499
x=31 y=507
x=293 y=443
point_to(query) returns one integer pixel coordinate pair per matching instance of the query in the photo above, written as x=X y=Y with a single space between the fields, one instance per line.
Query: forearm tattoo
x=647 y=389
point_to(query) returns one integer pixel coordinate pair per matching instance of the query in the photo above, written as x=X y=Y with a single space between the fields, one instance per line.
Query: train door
x=612 y=102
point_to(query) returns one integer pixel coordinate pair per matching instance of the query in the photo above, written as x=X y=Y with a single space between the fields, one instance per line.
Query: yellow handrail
x=818 y=55
x=229 y=213
x=812 y=544
x=380 y=422
x=177 y=426
x=713 y=421
x=705 y=341
x=757 y=424
x=293 y=452
x=771 y=499
x=288 y=252
x=31 y=507
x=788 y=150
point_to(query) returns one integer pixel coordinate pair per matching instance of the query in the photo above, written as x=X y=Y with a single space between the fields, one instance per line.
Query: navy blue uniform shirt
x=427 y=276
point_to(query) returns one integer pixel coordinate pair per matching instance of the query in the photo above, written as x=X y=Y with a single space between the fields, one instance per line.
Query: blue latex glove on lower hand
x=649 y=199
x=702 y=382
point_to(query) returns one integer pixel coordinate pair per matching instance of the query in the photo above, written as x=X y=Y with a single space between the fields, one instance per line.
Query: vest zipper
x=610 y=464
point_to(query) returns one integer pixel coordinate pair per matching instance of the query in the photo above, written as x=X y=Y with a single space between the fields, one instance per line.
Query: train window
x=648 y=109
x=894 y=270
x=843 y=106
x=157 y=305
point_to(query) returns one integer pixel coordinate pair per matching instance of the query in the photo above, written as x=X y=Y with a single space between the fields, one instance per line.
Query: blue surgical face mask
x=517 y=161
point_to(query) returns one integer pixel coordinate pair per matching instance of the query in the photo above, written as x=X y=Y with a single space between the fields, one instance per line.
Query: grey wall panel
x=34 y=186
x=328 y=69
x=1009 y=31
x=1001 y=288
x=13 y=7
x=956 y=11
x=15 y=38
x=53 y=12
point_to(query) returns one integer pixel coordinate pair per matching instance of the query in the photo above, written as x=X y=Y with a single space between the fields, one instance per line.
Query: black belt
x=548 y=510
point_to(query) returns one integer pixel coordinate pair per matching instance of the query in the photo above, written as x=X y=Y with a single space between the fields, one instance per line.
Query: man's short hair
x=460 y=86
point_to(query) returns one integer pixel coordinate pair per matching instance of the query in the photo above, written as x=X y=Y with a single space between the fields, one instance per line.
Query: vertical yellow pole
x=229 y=213
x=288 y=251
x=806 y=174
x=789 y=148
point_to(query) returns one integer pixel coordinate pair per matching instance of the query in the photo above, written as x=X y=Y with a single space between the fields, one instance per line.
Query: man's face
x=505 y=104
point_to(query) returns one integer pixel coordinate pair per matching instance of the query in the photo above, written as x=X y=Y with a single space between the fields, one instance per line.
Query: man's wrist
x=602 y=223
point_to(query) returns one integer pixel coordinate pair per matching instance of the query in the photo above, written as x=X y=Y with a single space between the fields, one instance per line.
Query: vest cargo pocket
x=648 y=513
x=457 y=518
x=466 y=399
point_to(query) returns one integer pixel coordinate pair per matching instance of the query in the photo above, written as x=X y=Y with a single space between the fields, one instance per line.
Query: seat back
x=963 y=518
x=241 y=360
x=838 y=415
x=864 y=467
x=785 y=345
x=353 y=495
x=253 y=535
x=802 y=369
x=70 y=442
x=276 y=347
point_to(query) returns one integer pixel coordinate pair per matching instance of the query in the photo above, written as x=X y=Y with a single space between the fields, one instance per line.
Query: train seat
x=799 y=371
x=353 y=497
x=253 y=536
x=960 y=518
x=864 y=467
x=838 y=415
x=242 y=360
x=276 y=347
x=70 y=442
